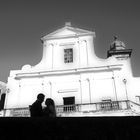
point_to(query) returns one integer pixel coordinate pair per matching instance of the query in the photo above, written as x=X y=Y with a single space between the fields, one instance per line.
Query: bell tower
x=118 y=50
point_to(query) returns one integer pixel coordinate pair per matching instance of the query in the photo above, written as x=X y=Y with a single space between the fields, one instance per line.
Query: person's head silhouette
x=49 y=102
x=40 y=97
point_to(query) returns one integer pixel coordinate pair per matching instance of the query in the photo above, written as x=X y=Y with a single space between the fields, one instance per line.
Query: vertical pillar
x=42 y=84
x=127 y=100
x=50 y=89
x=89 y=84
x=52 y=53
x=86 y=50
x=80 y=82
x=78 y=42
x=18 y=96
x=114 y=83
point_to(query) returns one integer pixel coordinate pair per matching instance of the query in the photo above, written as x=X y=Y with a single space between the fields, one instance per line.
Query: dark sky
x=24 y=22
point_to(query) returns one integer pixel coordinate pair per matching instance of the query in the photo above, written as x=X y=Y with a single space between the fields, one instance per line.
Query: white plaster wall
x=11 y=100
x=83 y=53
x=65 y=89
x=29 y=90
x=86 y=87
x=58 y=56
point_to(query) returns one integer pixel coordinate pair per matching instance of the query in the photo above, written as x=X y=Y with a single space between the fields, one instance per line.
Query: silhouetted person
x=36 y=108
x=49 y=110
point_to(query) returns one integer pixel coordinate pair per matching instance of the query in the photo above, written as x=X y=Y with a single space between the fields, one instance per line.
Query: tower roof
x=117 y=47
x=67 y=31
x=117 y=44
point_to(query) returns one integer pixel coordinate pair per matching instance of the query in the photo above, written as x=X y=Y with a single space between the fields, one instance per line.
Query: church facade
x=75 y=78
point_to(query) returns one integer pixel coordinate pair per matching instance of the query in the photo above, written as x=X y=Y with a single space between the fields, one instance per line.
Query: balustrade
x=74 y=108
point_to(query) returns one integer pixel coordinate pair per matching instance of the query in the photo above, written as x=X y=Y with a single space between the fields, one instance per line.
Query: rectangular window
x=69 y=104
x=68 y=55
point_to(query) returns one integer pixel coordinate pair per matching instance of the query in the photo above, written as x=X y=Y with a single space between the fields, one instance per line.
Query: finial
x=67 y=23
x=115 y=37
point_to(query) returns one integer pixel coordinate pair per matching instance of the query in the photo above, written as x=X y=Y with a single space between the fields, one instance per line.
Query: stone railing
x=93 y=107
x=75 y=108
x=16 y=112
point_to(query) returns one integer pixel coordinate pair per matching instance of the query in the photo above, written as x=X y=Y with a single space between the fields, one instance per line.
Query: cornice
x=69 y=71
x=66 y=36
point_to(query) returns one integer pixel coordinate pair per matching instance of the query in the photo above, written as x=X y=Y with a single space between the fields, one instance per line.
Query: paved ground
x=100 y=128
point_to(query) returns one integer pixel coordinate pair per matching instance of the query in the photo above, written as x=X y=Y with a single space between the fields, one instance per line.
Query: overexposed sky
x=24 y=22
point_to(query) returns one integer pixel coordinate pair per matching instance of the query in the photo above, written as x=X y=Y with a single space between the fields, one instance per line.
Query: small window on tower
x=68 y=55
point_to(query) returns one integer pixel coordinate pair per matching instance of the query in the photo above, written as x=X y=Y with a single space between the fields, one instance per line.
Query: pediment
x=67 y=31
x=62 y=32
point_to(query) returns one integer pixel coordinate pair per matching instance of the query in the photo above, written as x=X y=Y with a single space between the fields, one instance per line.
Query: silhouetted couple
x=36 y=109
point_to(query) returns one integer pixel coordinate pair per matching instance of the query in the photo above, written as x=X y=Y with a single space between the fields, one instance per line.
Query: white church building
x=79 y=82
